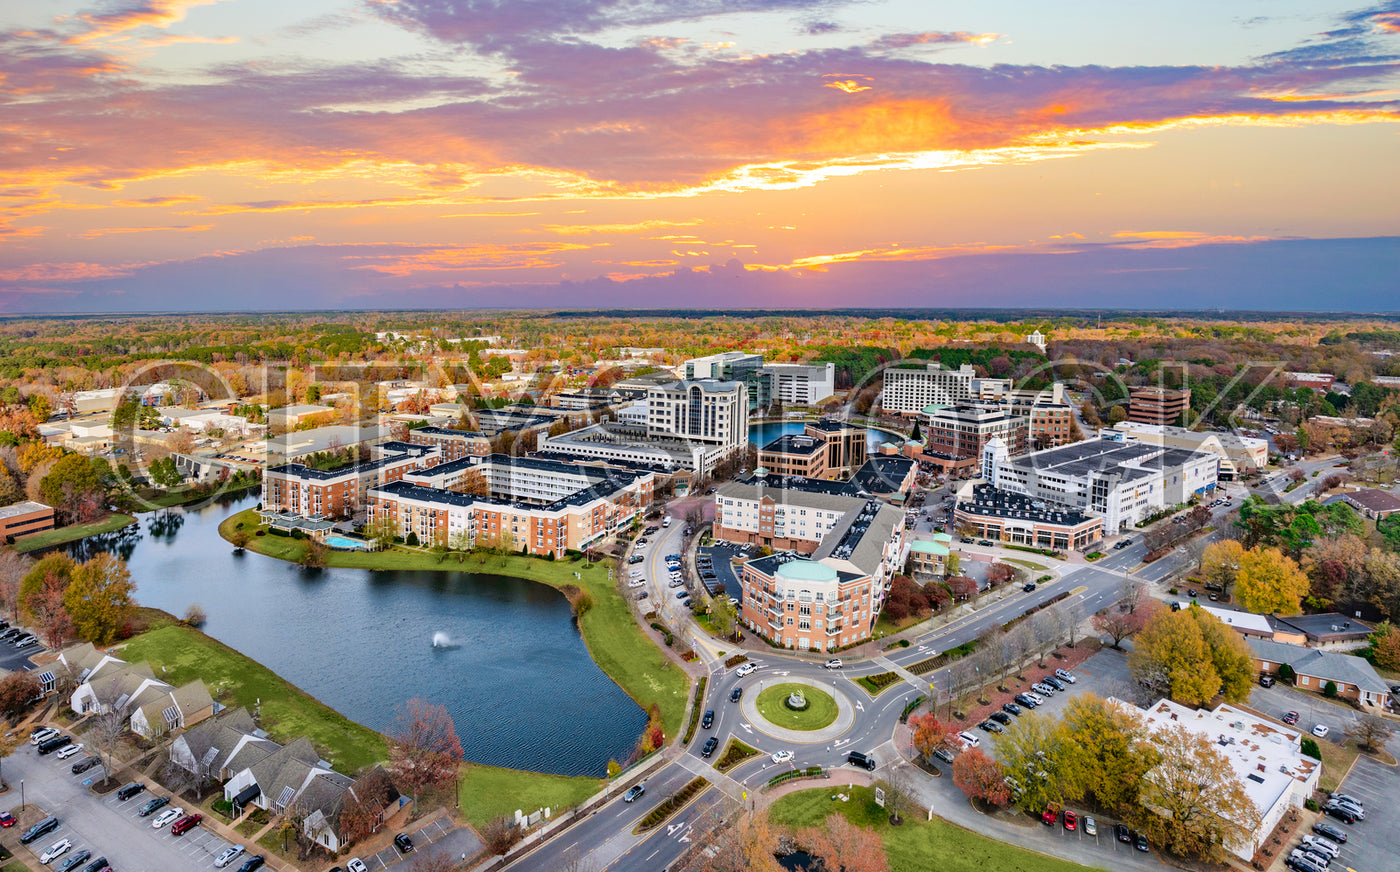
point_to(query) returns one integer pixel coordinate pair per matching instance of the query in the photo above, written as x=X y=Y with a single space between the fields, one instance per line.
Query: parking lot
x=102 y=824
x=429 y=841
x=1312 y=709
x=1371 y=843
x=724 y=571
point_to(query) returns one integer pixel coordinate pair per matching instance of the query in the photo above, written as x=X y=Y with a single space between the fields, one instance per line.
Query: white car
x=746 y=669
x=356 y=865
x=42 y=735
x=637 y=582
x=228 y=855
x=834 y=663
x=65 y=753
x=165 y=817
x=56 y=850
x=1320 y=730
x=1065 y=675
x=782 y=756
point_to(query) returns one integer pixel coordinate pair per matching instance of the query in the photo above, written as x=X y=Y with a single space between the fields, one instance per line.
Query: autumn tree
x=1106 y=754
x=499 y=835
x=1193 y=803
x=1270 y=582
x=981 y=778
x=999 y=574
x=99 y=598
x=841 y=846
x=1370 y=731
x=424 y=751
x=1181 y=654
x=68 y=487
x=441 y=862
x=108 y=728
x=1220 y=563
x=737 y=843
x=930 y=734
x=1385 y=646
x=1035 y=756
x=13 y=567
x=18 y=690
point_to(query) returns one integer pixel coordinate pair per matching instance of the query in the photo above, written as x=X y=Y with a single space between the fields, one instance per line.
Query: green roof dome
x=806 y=570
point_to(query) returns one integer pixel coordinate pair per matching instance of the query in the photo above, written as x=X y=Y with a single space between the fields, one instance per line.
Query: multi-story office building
x=1239 y=455
x=725 y=366
x=963 y=430
x=1016 y=518
x=1157 y=405
x=910 y=389
x=824 y=449
x=796 y=384
x=708 y=412
x=1050 y=425
x=1117 y=481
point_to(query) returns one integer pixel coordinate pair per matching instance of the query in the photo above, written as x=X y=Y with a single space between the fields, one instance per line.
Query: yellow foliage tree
x=1270 y=582
x=98 y=599
x=1220 y=563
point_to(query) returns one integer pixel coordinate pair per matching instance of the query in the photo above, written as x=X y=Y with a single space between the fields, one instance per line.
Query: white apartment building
x=797 y=384
x=910 y=388
x=1122 y=482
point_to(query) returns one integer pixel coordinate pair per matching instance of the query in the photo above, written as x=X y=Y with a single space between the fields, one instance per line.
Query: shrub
x=1286 y=673
x=1310 y=804
x=695 y=712
x=412 y=539
x=736 y=660
x=735 y=752
x=671 y=805
x=1329 y=690
x=1310 y=749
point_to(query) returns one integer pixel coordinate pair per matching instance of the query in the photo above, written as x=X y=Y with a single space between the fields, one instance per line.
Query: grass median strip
x=878 y=682
x=672 y=804
x=695 y=711
x=735 y=752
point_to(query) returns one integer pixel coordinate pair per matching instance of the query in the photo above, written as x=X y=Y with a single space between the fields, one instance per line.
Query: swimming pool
x=346 y=544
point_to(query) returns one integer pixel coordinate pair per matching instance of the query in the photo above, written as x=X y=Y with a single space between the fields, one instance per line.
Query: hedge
x=735 y=752
x=940 y=660
x=736 y=660
x=877 y=682
x=672 y=804
x=809 y=772
x=913 y=704
x=695 y=712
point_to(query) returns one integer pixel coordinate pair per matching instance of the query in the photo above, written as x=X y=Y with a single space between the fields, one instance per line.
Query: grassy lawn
x=287 y=711
x=1336 y=762
x=114 y=521
x=820 y=711
x=886 y=627
x=1028 y=564
x=917 y=845
x=14 y=866
x=613 y=638
x=488 y=792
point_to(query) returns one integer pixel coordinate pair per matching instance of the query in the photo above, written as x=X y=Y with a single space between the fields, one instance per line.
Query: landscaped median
x=71 y=533
x=820 y=709
x=878 y=682
x=672 y=804
x=614 y=640
x=735 y=752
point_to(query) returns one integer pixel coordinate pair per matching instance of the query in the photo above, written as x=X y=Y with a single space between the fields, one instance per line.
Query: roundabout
x=774 y=710
x=797 y=706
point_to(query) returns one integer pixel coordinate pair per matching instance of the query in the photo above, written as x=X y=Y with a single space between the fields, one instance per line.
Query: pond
x=762 y=434
x=508 y=664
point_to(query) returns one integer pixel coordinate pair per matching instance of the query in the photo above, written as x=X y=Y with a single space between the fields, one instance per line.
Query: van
x=48 y=746
x=861 y=759
x=969 y=740
x=39 y=830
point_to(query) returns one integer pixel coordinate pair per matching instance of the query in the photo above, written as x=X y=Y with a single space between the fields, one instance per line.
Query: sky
x=176 y=155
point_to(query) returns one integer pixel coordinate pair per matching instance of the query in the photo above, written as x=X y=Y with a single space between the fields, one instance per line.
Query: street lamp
x=21 y=796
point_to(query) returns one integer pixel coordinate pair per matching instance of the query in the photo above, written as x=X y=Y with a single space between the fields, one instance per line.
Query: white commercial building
x=1238 y=454
x=798 y=384
x=1265 y=755
x=911 y=388
x=1123 y=482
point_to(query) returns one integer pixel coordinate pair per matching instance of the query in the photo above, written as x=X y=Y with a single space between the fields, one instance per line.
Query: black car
x=1012 y=708
x=48 y=746
x=73 y=861
x=1340 y=812
x=84 y=765
x=1140 y=842
x=1024 y=700
x=1126 y=543
x=738 y=692
x=991 y=727
x=403 y=843
x=97 y=865
x=1028 y=587
x=153 y=805
x=130 y=790
x=708 y=720
x=39 y=830
x=1335 y=833
x=1000 y=717
x=254 y=862
x=1122 y=833
x=986 y=543
x=710 y=745
x=1054 y=682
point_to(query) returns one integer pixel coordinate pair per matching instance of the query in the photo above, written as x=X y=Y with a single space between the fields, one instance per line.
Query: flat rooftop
x=796 y=444
x=1130 y=459
x=990 y=502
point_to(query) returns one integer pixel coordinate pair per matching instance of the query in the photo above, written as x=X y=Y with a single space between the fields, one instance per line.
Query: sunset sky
x=264 y=154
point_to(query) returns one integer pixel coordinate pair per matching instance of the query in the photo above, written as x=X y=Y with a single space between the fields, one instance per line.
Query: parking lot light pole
x=21 y=796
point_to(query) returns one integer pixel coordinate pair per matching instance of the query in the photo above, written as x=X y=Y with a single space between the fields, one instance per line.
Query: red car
x=1291 y=718
x=1071 y=820
x=7 y=820
x=186 y=823
x=1052 y=814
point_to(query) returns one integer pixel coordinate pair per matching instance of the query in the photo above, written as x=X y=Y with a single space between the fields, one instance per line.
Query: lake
x=762 y=434
x=514 y=674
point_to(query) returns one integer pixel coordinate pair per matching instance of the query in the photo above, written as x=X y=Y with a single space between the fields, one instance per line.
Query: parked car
x=48 y=746
x=1122 y=833
x=735 y=694
x=1343 y=797
x=834 y=663
x=1012 y=708
x=1298 y=862
x=1090 y=827
x=710 y=745
x=403 y=843
x=39 y=830
x=228 y=855
x=1071 y=821
x=1290 y=718
x=42 y=735
x=1000 y=717
x=1065 y=675
x=1025 y=700
x=98 y=865
x=1054 y=682
x=633 y=794
x=1266 y=680
x=991 y=726
x=1050 y=815
x=1320 y=730
x=185 y=824
x=1043 y=688
x=7 y=820
x=708 y=720
x=256 y=861
x=74 y=861
x=1140 y=842
x=1319 y=845
x=1356 y=811
x=1335 y=833
x=129 y=790
x=165 y=817
x=56 y=850
x=65 y=753
x=152 y=806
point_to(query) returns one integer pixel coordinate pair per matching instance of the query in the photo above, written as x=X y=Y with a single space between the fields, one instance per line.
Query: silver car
x=228 y=855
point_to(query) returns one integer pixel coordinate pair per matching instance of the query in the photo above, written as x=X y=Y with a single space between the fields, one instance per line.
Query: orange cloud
x=169 y=200
x=179 y=228
x=1387 y=22
x=1180 y=238
x=530 y=255
x=820 y=262
x=584 y=229
x=67 y=272
x=144 y=13
x=850 y=86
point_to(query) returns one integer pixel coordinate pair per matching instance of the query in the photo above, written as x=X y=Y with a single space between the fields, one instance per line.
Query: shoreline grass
x=71 y=533
x=917 y=845
x=485 y=793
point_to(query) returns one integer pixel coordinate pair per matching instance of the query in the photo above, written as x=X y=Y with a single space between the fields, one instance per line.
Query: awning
x=246 y=795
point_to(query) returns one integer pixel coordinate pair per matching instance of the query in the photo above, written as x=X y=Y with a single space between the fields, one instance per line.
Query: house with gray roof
x=1355 y=678
x=176 y=709
x=295 y=777
x=220 y=746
